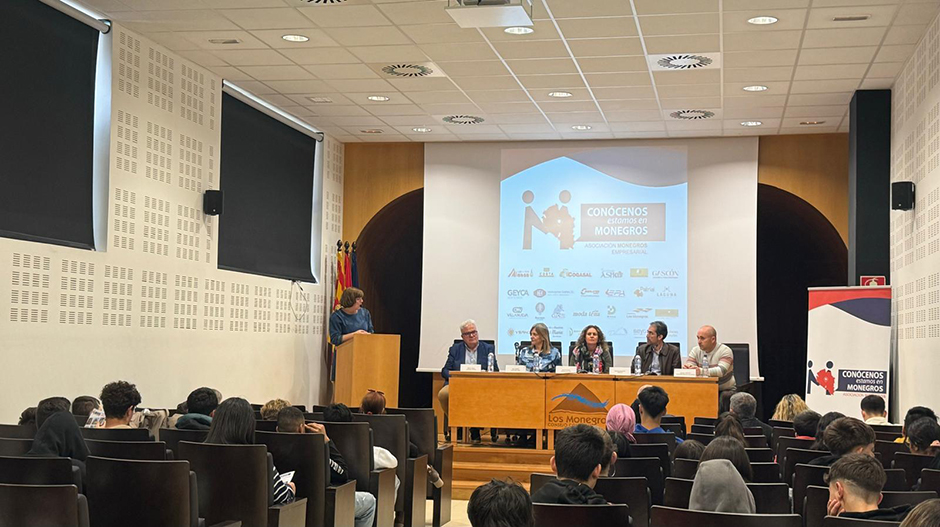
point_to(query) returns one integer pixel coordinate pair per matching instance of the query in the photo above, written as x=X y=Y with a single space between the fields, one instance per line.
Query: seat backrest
x=779 y=432
x=762 y=455
x=894 y=429
x=675 y=428
x=930 y=479
x=703 y=429
x=644 y=467
x=771 y=498
x=838 y=521
x=233 y=481
x=15 y=447
x=886 y=436
x=678 y=419
x=711 y=421
x=140 y=450
x=684 y=468
x=766 y=472
x=117 y=434
x=671 y=517
x=783 y=443
x=781 y=424
x=62 y=506
x=668 y=439
x=660 y=450
x=36 y=470
x=308 y=456
x=741 y=353
x=115 y=488
x=678 y=492
x=704 y=439
x=888 y=449
x=172 y=437
x=554 y=515
x=18 y=431
x=631 y=492
x=912 y=498
x=753 y=431
x=813 y=507
x=806 y=475
x=391 y=433
x=798 y=456
x=265 y=426
x=912 y=465
x=421 y=428
x=313 y=416
x=756 y=441
x=354 y=442
x=896 y=480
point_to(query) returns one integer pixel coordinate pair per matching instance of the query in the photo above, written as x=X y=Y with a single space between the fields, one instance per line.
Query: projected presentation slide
x=598 y=238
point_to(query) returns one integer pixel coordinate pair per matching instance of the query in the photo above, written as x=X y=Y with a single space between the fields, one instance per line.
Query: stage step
x=476 y=465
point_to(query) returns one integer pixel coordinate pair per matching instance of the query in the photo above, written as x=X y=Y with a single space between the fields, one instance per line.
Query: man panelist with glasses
x=470 y=351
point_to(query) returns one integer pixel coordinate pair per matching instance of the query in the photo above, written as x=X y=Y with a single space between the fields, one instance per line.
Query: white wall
x=153 y=308
x=915 y=235
x=461 y=237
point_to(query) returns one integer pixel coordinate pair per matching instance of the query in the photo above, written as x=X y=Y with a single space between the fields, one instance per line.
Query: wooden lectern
x=367 y=362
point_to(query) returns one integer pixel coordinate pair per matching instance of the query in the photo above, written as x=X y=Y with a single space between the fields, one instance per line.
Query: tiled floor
x=458 y=514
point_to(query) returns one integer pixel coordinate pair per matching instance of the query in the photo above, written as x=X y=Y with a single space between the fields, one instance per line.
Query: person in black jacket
x=580 y=452
x=744 y=405
x=855 y=483
x=291 y=420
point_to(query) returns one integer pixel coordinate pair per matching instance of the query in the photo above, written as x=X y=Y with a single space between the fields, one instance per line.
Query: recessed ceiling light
x=377 y=98
x=371 y=131
x=559 y=94
x=762 y=20
x=751 y=123
x=519 y=30
x=421 y=129
x=756 y=87
x=295 y=38
x=581 y=127
x=811 y=123
x=224 y=41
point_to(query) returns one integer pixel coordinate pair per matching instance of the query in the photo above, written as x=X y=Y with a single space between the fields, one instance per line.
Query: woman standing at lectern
x=352 y=319
x=590 y=344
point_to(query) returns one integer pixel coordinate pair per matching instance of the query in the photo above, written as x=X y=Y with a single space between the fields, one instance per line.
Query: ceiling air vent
x=320 y=100
x=225 y=41
x=850 y=18
x=463 y=119
x=684 y=61
x=691 y=115
x=326 y=1
x=407 y=70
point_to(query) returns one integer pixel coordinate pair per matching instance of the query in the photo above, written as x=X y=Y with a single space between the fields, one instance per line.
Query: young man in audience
x=201 y=404
x=926 y=514
x=653 y=401
x=291 y=420
x=581 y=451
x=855 y=483
x=873 y=410
x=744 y=405
x=84 y=405
x=846 y=435
x=28 y=416
x=49 y=406
x=915 y=413
x=119 y=400
x=500 y=504
x=272 y=408
x=805 y=424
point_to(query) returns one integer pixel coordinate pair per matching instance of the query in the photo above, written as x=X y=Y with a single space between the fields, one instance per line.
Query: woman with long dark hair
x=234 y=424
x=591 y=345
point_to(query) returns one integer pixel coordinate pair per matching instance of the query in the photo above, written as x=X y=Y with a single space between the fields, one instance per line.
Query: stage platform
x=476 y=465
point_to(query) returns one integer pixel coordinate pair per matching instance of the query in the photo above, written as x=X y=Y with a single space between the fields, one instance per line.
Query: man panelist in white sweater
x=713 y=359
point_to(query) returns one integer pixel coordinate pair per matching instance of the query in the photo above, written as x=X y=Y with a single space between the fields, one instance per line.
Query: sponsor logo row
x=586 y=292
x=542 y=312
x=634 y=272
x=558 y=332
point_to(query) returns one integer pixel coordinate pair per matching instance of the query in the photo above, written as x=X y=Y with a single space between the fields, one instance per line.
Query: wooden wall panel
x=375 y=175
x=813 y=167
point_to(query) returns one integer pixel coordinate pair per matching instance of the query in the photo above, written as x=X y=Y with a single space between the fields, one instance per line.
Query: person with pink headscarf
x=621 y=419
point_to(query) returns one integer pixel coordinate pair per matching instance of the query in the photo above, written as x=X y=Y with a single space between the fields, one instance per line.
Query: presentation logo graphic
x=611 y=311
x=639 y=272
x=555 y=220
x=619 y=293
x=568 y=273
x=666 y=313
x=640 y=291
x=578 y=406
x=850 y=380
x=517 y=293
x=665 y=274
x=610 y=273
x=540 y=308
x=559 y=311
x=522 y=273
x=518 y=312
x=546 y=273
x=666 y=292
x=539 y=293
x=640 y=312
x=590 y=292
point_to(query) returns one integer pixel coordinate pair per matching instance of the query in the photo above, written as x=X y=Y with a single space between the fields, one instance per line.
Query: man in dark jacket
x=657 y=356
x=855 y=483
x=744 y=405
x=200 y=404
x=580 y=452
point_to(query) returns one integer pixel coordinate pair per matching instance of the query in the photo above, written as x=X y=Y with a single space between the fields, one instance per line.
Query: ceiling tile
x=608 y=27
x=647 y=126
x=359 y=85
x=361 y=120
x=748 y=113
x=411 y=121
x=769 y=40
x=758 y=75
x=914 y=13
x=885 y=69
x=517 y=118
x=551 y=81
x=795 y=123
x=230 y=73
x=331 y=111
x=815 y=111
x=252 y=57
x=474 y=129
x=532 y=49
x=267 y=18
x=904 y=35
x=176 y=41
x=458 y=52
x=767 y=124
x=628 y=105
x=422 y=83
x=313 y=56
x=406 y=13
x=691 y=102
x=535 y=137
x=665 y=7
x=824 y=86
x=821 y=99
x=272 y=37
x=277 y=73
x=877 y=84
x=830 y=38
x=830 y=71
x=342 y=71
x=773 y=88
x=345 y=15
x=575 y=117
x=853 y=55
x=201 y=39
x=395 y=109
x=508 y=107
x=337 y=98
x=374 y=36
x=895 y=53
x=182 y=20
x=203 y=58
x=689 y=90
x=696 y=24
x=256 y=87
x=745 y=5
x=639 y=135
x=612 y=64
x=623 y=92
x=527 y=128
x=618 y=79
x=388 y=54
x=584 y=136
x=232 y=4
x=754 y=101
x=504 y=82
x=632 y=115
x=435 y=33
x=568 y=106
x=702 y=124
x=682 y=44
x=751 y=59
x=687 y=77
x=472 y=68
x=577 y=94
x=787 y=19
x=450 y=108
x=542 y=66
x=605 y=47
x=593 y=8
x=298 y=86
x=821 y=17
x=438 y=97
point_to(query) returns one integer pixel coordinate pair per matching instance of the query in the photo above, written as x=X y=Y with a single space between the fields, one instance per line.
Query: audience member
x=200 y=406
x=824 y=423
x=234 y=424
x=925 y=514
x=59 y=437
x=689 y=449
x=805 y=424
x=728 y=425
x=28 y=416
x=49 y=406
x=719 y=487
x=373 y=403
x=84 y=404
x=855 y=483
x=580 y=453
x=744 y=405
x=620 y=418
x=621 y=444
x=119 y=399
x=923 y=437
x=789 y=407
x=846 y=435
x=873 y=410
x=500 y=504
x=291 y=420
x=731 y=449
x=653 y=402
x=270 y=410
x=381 y=458
x=915 y=413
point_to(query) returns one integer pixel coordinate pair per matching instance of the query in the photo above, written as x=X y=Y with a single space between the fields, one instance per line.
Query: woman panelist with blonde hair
x=539 y=356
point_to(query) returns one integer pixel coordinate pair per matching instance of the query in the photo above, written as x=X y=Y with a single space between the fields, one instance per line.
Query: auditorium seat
x=886 y=436
x=675 y=428
x=771 y=498
x=897 y=480
x=888 y=449
x=781 y=424
x=39 y=471
x=62 y=506
x=234 y=483
x=684 y=468
x=80 y=420
x=172 y=437
x=813 y=507
x=670 y=517
x=18 y=431
x=704 y=439
x=703 y=429
x=313 y=416
x=893 y=499
x=912 y=465
x=892 y=429
x=659 y=450
x=554 y=515
x=766 y=472
x=783 y=443
x=756 y=441
x=797 y=456
x=630 y=491
x=760 y=455
x=675 y=419
x=836 y=521
x=140 y=450
x=15 y=447
x=537 y=480
x=711 y=421
x=753 y=431
x=644 y=467
x=779 y=432
x=265 y=426
x=930 y=480
x=677 y=493
x=668 y=439
x=117 y=434
x=805 y=476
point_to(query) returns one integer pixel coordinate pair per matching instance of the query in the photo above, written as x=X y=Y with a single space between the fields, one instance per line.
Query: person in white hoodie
x=718 y=487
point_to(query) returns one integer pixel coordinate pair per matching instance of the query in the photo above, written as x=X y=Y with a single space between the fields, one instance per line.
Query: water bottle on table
x=637 y=365
x=490 y=361
x=597 y=364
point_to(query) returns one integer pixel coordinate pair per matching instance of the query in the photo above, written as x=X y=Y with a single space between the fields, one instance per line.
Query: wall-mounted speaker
x=902 y=195
x=212 y=202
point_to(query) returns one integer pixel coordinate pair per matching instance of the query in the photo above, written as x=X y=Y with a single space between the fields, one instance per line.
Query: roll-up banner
x=848 y=348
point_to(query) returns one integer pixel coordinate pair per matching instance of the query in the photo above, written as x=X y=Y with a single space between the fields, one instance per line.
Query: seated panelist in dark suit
x=656 y=355
x=470 y=351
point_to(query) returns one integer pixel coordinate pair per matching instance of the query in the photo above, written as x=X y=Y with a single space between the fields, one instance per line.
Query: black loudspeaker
x=212 y=202
x=902 y=195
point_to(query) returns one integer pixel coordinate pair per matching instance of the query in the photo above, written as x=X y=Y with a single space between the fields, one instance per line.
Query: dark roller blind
x=47 y=103
x=267 y=182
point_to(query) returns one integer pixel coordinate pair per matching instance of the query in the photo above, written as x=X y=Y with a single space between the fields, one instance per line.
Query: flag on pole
x=347 y=269
x=340 y=277
x=355 y=268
